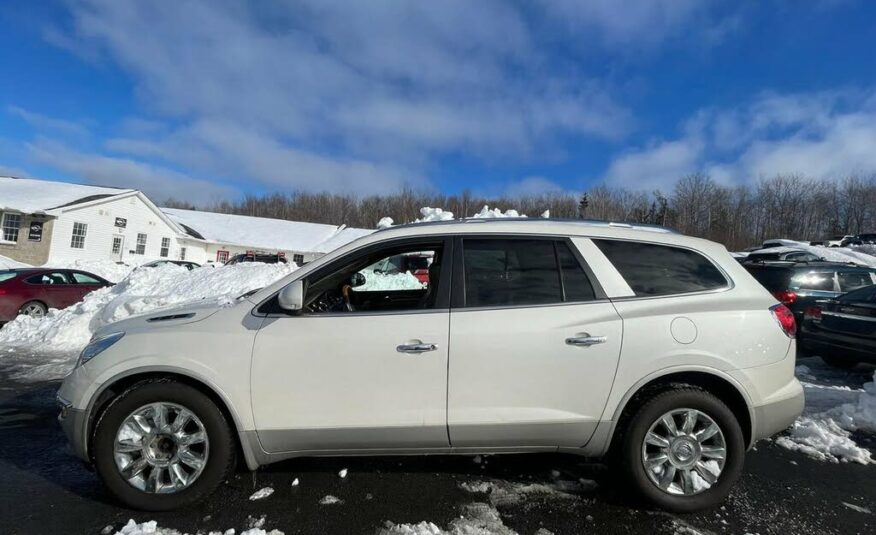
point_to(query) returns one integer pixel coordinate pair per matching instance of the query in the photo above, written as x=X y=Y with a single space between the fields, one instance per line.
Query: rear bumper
x=777 y=415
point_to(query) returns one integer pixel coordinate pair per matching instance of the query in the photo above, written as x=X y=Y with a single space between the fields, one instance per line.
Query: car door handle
x=585 y=340
x=416 y=347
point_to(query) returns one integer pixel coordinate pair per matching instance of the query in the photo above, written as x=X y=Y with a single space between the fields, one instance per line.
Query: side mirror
x=291 y=297
x=357 y=279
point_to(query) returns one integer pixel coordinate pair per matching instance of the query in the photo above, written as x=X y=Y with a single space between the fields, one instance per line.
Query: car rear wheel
x=34 y=309
x=683 y=450
x=840 y=362
x=162 y=445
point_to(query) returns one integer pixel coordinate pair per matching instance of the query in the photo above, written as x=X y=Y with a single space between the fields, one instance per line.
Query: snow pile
x=832 y=413
x=432 y=214
x=476 y=519
x=8 y=263
x=261 y=493
x=486 y=213
x=64 y=333
x=381 y=282
x=385 y=222
x=151 y=528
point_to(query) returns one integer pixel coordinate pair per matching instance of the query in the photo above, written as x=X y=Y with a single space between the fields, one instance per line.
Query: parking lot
x=45 y=490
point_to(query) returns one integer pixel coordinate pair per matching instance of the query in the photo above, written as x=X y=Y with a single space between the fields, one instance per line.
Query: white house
x=43 y=222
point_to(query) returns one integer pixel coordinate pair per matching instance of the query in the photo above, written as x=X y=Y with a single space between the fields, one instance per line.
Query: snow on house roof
x=263 y=232
x=33 y=196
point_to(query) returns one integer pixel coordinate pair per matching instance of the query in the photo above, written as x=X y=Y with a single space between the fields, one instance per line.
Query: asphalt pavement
x=44 y=490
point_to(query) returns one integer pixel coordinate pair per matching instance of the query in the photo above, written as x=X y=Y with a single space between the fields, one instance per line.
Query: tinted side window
x=576 y=285
x=503 y=272
x=49 y=278
x=814 y=281
x=849 y=281
x=773 y=279
x=652 y=269
x=82 y=278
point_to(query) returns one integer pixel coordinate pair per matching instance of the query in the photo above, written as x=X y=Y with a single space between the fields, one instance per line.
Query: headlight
x=97 y=346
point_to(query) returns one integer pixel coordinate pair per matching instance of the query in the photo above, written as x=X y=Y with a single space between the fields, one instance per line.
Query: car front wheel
x=683 y=450
x=162 y=445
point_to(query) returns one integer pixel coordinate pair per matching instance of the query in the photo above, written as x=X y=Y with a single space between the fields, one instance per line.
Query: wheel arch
x=712 y=381
x=118 y=384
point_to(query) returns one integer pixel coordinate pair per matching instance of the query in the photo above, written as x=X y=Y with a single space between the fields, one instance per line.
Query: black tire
x=839 y=362
x=36 y=304
x=222 y=448
x=630 y=457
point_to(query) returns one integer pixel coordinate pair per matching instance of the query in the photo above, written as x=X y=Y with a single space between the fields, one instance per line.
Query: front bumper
x=778 y=415
x=73 y=423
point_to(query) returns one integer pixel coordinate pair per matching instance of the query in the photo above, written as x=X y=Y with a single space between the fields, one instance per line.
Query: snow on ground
x=484 y=518
x=8 y=263
x=152 y=528
x=46 y=348
x=833 y=411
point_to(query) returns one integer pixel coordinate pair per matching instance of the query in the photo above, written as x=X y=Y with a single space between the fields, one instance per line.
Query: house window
x=182 y=253
x=117 y=244
x=165 y=247
x=222 y=256
x=141 y=244
x=298 y=258
x=77 y=241
x=11 y=224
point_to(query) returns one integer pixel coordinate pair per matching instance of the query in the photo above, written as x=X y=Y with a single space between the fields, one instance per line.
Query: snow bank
x=8 y=263
x=429 y=214
x=59 y=337
x=833 y=411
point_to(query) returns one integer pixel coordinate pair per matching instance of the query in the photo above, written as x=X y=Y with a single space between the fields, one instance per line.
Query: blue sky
x=209 y=99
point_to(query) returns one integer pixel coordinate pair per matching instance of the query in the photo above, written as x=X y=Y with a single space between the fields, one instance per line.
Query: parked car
x=800 y=285
x=842 y=331
x=183 y=263
x=33 y=291
x=784 y=256
x=868 y=239
x=265 y=258
x=842 y=241
x=653 y=349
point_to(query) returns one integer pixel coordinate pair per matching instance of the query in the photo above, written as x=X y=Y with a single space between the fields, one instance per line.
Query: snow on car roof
x=31 y=196
x=263 y=232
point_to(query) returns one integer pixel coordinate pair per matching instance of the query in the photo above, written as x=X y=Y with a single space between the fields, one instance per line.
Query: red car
x=33 y=291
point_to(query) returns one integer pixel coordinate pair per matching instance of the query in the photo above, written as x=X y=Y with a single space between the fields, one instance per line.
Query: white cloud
x=157 y=182
x=43 y=122
x=822 y=135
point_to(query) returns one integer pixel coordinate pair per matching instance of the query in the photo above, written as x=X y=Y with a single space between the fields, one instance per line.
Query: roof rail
x=590 y=222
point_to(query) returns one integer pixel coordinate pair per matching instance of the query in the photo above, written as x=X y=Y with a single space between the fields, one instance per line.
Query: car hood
x=172 y=316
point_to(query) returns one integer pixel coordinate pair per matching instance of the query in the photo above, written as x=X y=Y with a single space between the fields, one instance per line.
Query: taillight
x=812 y=313
x=786 y=297
x=785 y=318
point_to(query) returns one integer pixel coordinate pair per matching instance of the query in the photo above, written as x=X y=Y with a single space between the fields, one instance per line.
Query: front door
x=118 y=251
x=364 y=367
x=534 y=346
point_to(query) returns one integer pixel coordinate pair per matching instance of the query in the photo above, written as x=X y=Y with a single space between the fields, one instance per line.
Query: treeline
x=784 y=206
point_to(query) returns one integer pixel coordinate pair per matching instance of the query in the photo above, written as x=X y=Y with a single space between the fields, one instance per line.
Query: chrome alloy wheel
x=161 y=448
x=684 y=452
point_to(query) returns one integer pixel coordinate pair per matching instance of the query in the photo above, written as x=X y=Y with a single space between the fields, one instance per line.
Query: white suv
x=652 y=349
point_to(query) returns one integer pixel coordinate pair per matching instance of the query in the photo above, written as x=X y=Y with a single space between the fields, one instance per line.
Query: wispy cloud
x=820 y=134
x=46 y=123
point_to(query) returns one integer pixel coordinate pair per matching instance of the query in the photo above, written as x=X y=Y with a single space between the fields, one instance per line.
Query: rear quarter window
x=7 y=276
x=655 y=270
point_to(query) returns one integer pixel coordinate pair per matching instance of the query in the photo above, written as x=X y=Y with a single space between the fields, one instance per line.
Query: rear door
x=534 y=344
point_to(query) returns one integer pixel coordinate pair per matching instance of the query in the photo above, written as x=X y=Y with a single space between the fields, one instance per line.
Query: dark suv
x=265 y=258
x=798 y=285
